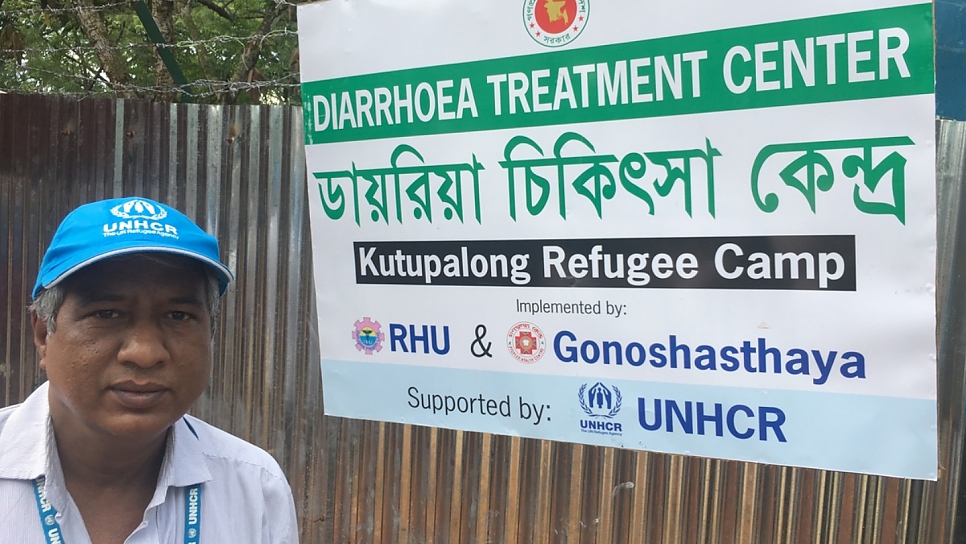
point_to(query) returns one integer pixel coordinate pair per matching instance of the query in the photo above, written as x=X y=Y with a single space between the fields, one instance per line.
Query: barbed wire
x=116 y=93
x=57 y=11
x=231 y=85
x=183 y=44
x=204 y=88
x=103 y=7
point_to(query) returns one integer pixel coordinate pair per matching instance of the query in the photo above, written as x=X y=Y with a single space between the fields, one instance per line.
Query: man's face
x=131 y=351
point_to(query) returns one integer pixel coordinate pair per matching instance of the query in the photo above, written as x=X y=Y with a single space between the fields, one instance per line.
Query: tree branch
x=195 y=35
x=217 y=9
x=249 y=56
x=163 y=13
x=94 y=73
x=94 y=27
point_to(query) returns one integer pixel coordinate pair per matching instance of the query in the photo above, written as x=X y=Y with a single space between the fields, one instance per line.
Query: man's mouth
x=138 y=396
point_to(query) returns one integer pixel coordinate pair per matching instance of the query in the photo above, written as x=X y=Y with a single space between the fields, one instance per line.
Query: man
x=103 y=453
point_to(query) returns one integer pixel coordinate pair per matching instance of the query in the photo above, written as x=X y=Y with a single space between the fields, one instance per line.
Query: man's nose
x=144 y=345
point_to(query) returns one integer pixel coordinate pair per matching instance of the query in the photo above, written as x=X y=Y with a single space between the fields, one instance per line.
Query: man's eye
x=106 y=314
x=180 y=316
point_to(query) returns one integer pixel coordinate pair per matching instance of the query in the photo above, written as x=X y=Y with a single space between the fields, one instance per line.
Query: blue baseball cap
x=121 y=226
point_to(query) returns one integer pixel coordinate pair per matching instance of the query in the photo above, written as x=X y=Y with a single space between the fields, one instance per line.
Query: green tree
x=230 y=51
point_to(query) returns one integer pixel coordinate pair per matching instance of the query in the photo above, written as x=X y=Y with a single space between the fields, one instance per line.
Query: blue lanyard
x=53 y=534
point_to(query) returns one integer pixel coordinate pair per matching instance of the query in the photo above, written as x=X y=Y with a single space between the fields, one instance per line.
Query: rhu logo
x=419 y=338
x=403 y=338
x=601 y=403
x=368 y=336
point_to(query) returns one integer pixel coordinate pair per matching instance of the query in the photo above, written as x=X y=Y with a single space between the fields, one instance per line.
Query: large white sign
x=690 y=227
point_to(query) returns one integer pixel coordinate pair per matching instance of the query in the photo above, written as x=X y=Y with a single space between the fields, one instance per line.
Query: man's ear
x=40 y=337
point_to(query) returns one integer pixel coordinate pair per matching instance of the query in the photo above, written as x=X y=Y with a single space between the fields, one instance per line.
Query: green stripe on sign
x=871 y=54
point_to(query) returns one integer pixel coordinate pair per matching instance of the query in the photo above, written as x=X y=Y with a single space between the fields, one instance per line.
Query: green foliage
x=44 y=48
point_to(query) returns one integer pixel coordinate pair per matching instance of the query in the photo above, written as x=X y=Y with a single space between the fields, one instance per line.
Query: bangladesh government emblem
x=555 y=23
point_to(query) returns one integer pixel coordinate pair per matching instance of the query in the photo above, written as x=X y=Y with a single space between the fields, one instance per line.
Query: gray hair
x=48 y=302
x=46 y=305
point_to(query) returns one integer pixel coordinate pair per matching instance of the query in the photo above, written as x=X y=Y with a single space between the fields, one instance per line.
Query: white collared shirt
x=245 y=497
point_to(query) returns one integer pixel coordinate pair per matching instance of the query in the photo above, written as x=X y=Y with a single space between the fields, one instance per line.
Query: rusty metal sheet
x=239 y=171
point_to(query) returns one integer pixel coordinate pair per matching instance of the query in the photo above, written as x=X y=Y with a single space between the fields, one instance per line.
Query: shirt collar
x=24 y=438
x=184 y=461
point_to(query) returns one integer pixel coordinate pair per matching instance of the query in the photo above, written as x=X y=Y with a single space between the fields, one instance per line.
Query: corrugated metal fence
x=240 y=173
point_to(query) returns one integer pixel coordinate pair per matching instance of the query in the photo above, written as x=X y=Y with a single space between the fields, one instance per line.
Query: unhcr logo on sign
x=601 y=403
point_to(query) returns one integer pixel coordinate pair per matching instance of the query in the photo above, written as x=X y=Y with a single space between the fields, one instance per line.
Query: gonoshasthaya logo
x=555 y=23
x=526 y=342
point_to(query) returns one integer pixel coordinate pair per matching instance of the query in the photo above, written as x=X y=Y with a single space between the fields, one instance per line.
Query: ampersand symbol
x=479 y=348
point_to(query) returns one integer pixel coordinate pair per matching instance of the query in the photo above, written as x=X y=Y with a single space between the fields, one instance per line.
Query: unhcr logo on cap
x=139 y=209
x=142 y=218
